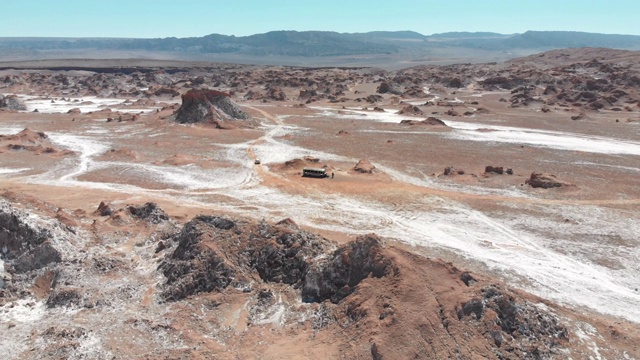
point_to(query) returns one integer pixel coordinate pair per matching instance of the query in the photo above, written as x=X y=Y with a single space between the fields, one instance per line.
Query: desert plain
x=471 y=211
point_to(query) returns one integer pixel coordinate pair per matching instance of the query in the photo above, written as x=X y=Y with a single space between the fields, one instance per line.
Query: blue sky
x=162 y=18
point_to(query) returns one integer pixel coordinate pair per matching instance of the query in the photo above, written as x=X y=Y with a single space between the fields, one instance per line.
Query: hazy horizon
x=197 y=18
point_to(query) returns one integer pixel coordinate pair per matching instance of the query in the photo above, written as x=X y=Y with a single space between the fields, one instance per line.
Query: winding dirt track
x=387 y=203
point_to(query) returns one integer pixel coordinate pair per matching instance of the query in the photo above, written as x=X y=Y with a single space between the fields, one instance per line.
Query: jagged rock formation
x=208 y=106
x=11 y=102
x=510 y=322
x=104 y=209
x=25 y=247
x=149 y=211
x=336 y=277
x=215 y=252
x=222 y=272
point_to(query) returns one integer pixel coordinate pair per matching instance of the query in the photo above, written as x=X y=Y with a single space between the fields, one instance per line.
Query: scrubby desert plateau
x=473 y=211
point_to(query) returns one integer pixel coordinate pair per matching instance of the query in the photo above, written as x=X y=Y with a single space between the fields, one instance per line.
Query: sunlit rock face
x=208 y=106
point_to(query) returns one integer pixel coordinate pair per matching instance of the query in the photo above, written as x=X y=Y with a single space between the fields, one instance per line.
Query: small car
x=257 y=161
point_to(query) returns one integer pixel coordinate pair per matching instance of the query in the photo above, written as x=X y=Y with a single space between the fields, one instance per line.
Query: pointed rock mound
x=209 y=106
x=410 y=110
x=364 y=166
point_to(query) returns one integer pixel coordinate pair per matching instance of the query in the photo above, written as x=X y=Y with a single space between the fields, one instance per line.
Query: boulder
x=410 y=110
x=104 y=209
x=308 y=96
x=150 y=212
x=166 y=91
x=372 y=99
x=431 y=121
x=364 y=166
x=288 y=222
x=454 y=83
x=494 y=170
x=276 y=93
x=386 y=88
x=452 y=112
x=545 y=181
x=450 y=170
x=580 y=116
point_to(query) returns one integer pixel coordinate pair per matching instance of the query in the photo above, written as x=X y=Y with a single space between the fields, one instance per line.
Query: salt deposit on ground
x=502 y=134
x=85 y=104
x=503 y=244
x=12 y=171
x=542 y=138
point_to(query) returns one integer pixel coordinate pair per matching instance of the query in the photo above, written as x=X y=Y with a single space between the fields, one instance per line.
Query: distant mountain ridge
x=407 y=45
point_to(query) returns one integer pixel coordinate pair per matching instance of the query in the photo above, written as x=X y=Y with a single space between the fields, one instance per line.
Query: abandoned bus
x=311 y=172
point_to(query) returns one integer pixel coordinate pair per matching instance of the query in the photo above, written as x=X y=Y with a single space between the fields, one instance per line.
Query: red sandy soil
x=412 y=314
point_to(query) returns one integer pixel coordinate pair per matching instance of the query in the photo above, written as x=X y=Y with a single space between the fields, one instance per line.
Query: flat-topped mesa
x=208 y=106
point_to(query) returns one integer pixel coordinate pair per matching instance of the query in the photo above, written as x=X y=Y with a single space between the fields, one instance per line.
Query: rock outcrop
x=31 y=141
x=494 y=170
x=364 y=166
x=12 y=102
x=410 y=110
x=104 y=209
x=26 y=136
x=545 y=181
x=450 y=170
x=386 y=88
x=337 y=277
x=26 y=247
x=430 y=121
x=209 y=106
x=149 y=212
x=215 y=252
x=513 y=325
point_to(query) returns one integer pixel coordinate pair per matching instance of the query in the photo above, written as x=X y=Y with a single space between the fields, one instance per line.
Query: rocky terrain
x=303 y=287
x=485 y=210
